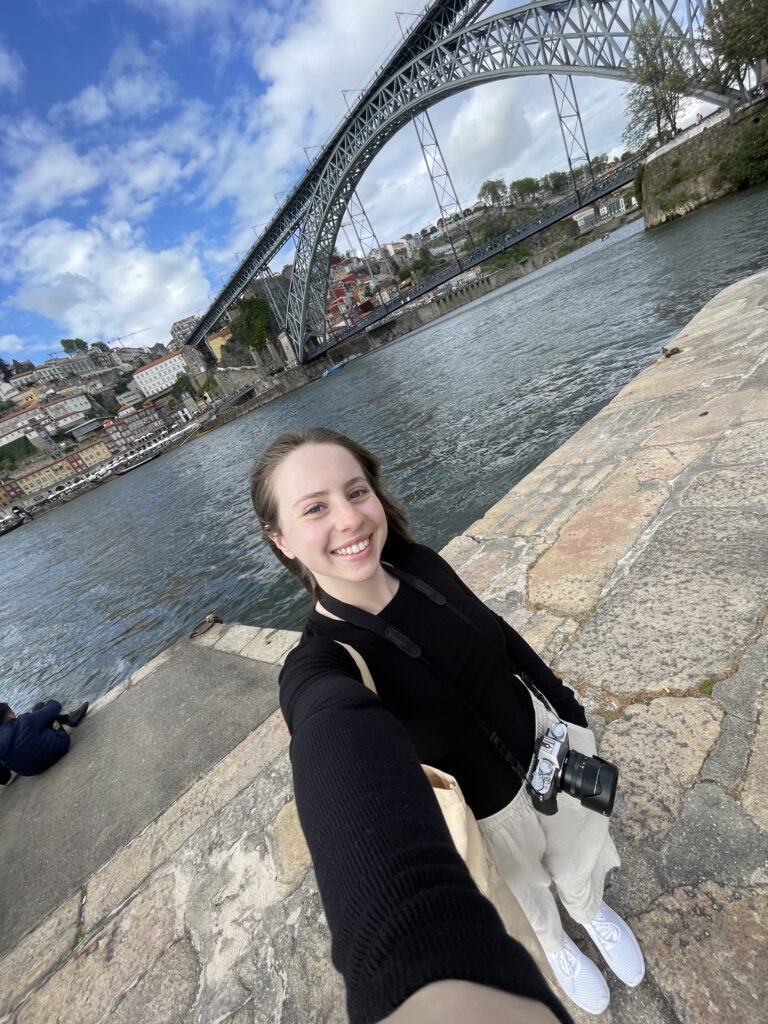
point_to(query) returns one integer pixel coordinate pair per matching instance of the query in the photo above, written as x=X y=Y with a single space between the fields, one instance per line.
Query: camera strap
x=376 y=624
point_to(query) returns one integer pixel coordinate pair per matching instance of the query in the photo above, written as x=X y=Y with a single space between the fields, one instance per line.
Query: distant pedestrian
x=30 y=743
x=698 y=118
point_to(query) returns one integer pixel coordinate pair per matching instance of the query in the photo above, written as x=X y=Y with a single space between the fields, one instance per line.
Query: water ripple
x=459 y=411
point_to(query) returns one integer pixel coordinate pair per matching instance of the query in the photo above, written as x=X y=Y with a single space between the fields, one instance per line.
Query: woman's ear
x=277 y=539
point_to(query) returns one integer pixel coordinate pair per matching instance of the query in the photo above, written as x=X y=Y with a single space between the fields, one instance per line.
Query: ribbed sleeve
x=400 y=904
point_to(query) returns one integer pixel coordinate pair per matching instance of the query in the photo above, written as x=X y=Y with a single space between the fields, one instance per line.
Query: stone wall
x=688 y=172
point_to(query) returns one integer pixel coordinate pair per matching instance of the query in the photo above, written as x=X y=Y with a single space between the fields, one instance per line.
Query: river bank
x=633 y=557
x=724 y=153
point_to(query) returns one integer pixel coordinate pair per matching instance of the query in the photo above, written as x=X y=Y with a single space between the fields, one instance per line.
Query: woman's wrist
x=465 y=1002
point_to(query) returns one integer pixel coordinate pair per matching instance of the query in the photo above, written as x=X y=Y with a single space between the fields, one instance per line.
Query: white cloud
x=11 y=69
x=11 y=344
x=491 y=130
x=90 y=107
x=135 y=85
x=126 y=149
x=99 y=281
x=55 y=174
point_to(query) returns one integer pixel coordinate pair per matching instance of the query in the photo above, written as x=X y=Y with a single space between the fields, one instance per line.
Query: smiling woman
x=472 y=697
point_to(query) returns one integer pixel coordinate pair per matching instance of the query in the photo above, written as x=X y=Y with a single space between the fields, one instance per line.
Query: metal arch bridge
x=447 y=51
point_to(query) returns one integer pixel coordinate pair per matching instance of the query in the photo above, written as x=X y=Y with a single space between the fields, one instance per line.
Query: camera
x=557 y=768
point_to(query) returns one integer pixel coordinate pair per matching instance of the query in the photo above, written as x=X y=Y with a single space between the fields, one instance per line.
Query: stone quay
x=157 y=874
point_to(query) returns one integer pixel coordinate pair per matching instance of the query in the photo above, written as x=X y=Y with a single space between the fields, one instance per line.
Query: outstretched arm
x=402 y=909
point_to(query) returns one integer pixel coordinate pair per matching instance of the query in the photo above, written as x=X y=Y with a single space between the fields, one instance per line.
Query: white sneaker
x=579 y=978
x=618 y=946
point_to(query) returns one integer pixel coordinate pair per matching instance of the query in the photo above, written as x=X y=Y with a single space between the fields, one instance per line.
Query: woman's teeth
x=353 y=549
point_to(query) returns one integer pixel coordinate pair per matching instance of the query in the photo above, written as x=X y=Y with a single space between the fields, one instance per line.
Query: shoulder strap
x=362 y=668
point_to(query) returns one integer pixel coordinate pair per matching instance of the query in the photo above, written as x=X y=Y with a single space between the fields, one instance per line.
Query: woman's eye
x=358 y=492
x=312 y=510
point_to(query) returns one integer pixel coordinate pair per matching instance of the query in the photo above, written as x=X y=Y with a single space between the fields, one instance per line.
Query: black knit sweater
x=401 y=906
x=466 y=667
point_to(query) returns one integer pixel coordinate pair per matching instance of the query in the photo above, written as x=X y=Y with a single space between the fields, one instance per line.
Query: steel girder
x=441 y=19
x=570 y=37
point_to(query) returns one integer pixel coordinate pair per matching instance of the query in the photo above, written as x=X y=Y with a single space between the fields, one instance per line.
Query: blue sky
x=141 y=141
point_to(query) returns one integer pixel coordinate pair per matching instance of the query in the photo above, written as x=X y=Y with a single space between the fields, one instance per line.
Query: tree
x=251 y=323
x=555 y=181
x=209 y=385
x=736 y=33
x=493 y=192
x=661 y=70
x=181 y=384
x=73 y=345
x=524 y=188
x=5 y=370
x=101 y=346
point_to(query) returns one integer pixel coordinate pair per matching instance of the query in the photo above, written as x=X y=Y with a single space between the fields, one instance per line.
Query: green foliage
x=5 y=370
x=210 y=385
x=493 y=192
x=425 y=264
x=736 y=33
x=660 y=70
x=555 y=182
x=73 y=345
x=14 y=453
x=523 y=189
x=101 y=346
x=676 y=200
x=122 y=382
x=181 y=384
x=747 y=164
x=6 y=407
x=515 y=254
x=252 y=323
x=706 y=686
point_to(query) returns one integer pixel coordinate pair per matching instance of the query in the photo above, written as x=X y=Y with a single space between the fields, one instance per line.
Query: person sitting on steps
x=32 y=742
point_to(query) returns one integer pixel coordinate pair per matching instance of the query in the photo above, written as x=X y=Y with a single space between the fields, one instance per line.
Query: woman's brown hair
x=263 y=498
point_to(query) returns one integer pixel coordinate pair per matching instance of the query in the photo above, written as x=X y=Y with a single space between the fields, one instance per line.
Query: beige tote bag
x=471 y=846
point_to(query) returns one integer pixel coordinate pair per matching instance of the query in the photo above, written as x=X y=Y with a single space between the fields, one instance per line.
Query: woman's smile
x=355 y=549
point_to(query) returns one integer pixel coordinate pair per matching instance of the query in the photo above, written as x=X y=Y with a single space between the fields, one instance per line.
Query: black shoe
x=76 y=717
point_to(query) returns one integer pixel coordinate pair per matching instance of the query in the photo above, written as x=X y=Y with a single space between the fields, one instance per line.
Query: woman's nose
x=348 y=516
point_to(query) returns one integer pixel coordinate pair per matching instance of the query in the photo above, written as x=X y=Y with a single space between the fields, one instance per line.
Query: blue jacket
x=28 y=744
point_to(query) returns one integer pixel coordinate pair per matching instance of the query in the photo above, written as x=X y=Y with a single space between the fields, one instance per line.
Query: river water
x=459 y=411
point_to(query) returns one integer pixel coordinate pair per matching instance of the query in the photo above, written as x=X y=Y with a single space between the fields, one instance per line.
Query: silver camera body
x=590 y=779
x=551 y=751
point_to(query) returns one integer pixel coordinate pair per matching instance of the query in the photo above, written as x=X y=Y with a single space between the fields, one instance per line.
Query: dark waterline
x=459 y=412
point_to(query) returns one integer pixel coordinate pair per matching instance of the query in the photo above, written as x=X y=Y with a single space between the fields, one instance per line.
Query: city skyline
x=142 y=142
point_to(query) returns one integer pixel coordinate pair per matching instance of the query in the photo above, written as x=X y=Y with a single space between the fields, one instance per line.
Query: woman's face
x=328 y=516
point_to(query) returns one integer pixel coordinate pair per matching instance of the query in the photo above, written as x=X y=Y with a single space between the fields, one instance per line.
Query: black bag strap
x=376 y=624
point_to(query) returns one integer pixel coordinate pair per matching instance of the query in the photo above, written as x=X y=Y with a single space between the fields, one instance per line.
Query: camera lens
x=591 y=780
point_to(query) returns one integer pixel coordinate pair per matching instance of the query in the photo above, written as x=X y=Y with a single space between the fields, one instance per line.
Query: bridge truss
x=446 y=52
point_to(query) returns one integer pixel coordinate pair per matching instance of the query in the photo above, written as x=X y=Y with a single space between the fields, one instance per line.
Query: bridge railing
x=569 y=204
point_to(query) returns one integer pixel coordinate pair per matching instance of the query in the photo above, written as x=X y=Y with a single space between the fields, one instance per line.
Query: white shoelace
x=608 y=933
x=569 y=965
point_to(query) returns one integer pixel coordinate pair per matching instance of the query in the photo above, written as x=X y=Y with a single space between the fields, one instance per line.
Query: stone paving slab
x=126 y=765
x=644 y=583
x=634 y=558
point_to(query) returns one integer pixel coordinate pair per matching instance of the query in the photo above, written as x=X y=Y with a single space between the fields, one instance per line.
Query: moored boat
x=7 y=525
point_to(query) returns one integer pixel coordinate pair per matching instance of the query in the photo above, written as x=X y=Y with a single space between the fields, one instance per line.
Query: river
x=459 y=412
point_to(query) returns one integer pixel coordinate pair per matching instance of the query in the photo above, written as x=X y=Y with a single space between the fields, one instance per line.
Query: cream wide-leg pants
x=571 y=849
